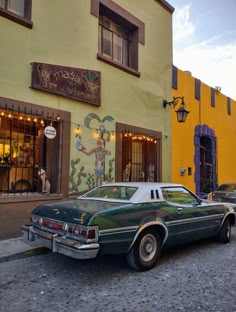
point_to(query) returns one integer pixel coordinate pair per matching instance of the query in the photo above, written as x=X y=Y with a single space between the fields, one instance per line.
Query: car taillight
x=90 y=234
x=82 y=231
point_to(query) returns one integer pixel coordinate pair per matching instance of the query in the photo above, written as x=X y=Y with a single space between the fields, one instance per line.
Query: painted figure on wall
x=95 y=144
x=100 y=152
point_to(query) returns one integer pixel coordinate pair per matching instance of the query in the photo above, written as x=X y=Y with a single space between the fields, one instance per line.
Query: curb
x=21 y=255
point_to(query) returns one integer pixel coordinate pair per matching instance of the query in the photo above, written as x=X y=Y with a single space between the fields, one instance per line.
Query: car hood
x=74 y=211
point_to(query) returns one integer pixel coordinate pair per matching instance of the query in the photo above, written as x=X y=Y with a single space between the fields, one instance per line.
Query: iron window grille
x=25 y=151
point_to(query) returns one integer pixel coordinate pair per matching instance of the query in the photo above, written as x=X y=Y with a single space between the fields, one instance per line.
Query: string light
x=128 y=134
x=140 y=137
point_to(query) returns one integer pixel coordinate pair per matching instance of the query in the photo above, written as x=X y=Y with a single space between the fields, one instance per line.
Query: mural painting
x=94 y=145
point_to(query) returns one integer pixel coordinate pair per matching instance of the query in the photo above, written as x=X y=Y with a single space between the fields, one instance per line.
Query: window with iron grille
x=26 y=154
x=139 y=158
x=18 y=11
x=138 y=154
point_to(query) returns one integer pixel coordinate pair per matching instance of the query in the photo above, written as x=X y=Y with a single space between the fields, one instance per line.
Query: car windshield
x=227 y=188
x=112 y=192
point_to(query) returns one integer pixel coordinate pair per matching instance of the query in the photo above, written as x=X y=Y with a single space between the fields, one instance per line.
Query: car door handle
x=179 y=209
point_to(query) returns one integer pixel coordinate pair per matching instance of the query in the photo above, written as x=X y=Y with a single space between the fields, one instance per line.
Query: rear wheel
x=145 y=251
x=224 y=235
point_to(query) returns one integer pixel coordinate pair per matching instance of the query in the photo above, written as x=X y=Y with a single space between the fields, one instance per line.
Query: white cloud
x=183 y=27
x=212 y=62
x=213 y=65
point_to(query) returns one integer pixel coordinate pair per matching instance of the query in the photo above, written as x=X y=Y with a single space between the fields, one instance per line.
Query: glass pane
x=2 y=3
x=16 y=6
x=137 y=172
x=106 y=42
x=117 y=48
x=227 y=188
x=178 y=196
x=112 y=192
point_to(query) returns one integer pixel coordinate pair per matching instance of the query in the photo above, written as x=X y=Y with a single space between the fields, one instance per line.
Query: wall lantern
x=181 y=112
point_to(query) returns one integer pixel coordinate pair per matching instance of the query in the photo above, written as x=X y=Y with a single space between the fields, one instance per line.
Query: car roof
x=143 y=184
x=146 y=192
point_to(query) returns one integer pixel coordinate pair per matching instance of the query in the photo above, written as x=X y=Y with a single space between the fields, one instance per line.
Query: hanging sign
x=50 y=132
x=76 y=83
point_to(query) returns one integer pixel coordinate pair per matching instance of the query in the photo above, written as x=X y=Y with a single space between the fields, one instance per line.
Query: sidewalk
x=15 y=248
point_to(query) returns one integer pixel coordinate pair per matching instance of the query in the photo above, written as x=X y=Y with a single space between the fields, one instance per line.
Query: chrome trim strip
x=193 y=220
x=118 y=230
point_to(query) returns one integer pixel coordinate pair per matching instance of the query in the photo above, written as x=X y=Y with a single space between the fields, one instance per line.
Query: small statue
x=45 y=181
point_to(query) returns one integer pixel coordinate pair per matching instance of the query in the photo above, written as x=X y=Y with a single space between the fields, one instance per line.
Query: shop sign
x=50 y=132
x=79 y=84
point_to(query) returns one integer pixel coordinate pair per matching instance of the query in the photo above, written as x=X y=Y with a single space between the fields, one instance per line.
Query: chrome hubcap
x=148 y=247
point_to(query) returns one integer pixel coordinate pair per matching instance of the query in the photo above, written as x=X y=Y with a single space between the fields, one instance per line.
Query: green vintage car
x=134 y=219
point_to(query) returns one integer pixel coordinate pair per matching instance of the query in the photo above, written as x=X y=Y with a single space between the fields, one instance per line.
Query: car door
x=194 y=219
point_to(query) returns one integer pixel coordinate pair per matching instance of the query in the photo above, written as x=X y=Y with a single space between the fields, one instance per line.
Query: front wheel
x=145 y=251
x=224 y=235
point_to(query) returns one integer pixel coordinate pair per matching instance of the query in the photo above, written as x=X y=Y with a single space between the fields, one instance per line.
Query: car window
x=112 y=192
x=227 y=188
x=179 y=195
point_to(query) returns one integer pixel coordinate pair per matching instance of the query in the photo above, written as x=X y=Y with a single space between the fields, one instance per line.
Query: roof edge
x=166 y=6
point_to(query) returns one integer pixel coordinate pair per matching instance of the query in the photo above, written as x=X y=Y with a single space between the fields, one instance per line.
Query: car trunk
x=75 y=211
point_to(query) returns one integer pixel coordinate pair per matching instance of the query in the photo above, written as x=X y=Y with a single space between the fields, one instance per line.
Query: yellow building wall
x=202 y=113
x=67 y=35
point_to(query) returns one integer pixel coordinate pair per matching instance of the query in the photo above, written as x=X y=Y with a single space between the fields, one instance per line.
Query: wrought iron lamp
x=181 y=112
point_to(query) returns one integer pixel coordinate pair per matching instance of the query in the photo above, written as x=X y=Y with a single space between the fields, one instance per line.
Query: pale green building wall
x=65 y=33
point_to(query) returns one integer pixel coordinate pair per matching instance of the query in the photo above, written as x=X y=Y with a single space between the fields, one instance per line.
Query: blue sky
x=204 y=41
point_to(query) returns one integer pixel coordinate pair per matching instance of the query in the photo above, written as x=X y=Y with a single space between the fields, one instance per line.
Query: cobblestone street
x=197 y=277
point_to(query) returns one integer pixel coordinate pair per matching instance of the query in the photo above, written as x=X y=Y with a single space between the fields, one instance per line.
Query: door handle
x=179 y=209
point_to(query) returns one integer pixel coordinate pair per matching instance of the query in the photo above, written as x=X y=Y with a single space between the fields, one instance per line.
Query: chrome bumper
x=61 y=244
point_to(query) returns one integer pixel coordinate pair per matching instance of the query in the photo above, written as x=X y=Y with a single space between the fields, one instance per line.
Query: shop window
x=17 y=10
x=140 y=149
x=26 y=154
x=119 y=35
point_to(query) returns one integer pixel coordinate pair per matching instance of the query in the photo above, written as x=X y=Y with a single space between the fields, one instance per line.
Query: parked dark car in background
x=226 y=192
x=134 y=219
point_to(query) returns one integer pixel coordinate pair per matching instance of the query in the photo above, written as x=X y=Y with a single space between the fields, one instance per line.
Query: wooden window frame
x=22 y=20
x=129 y=22
x=114 y=31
